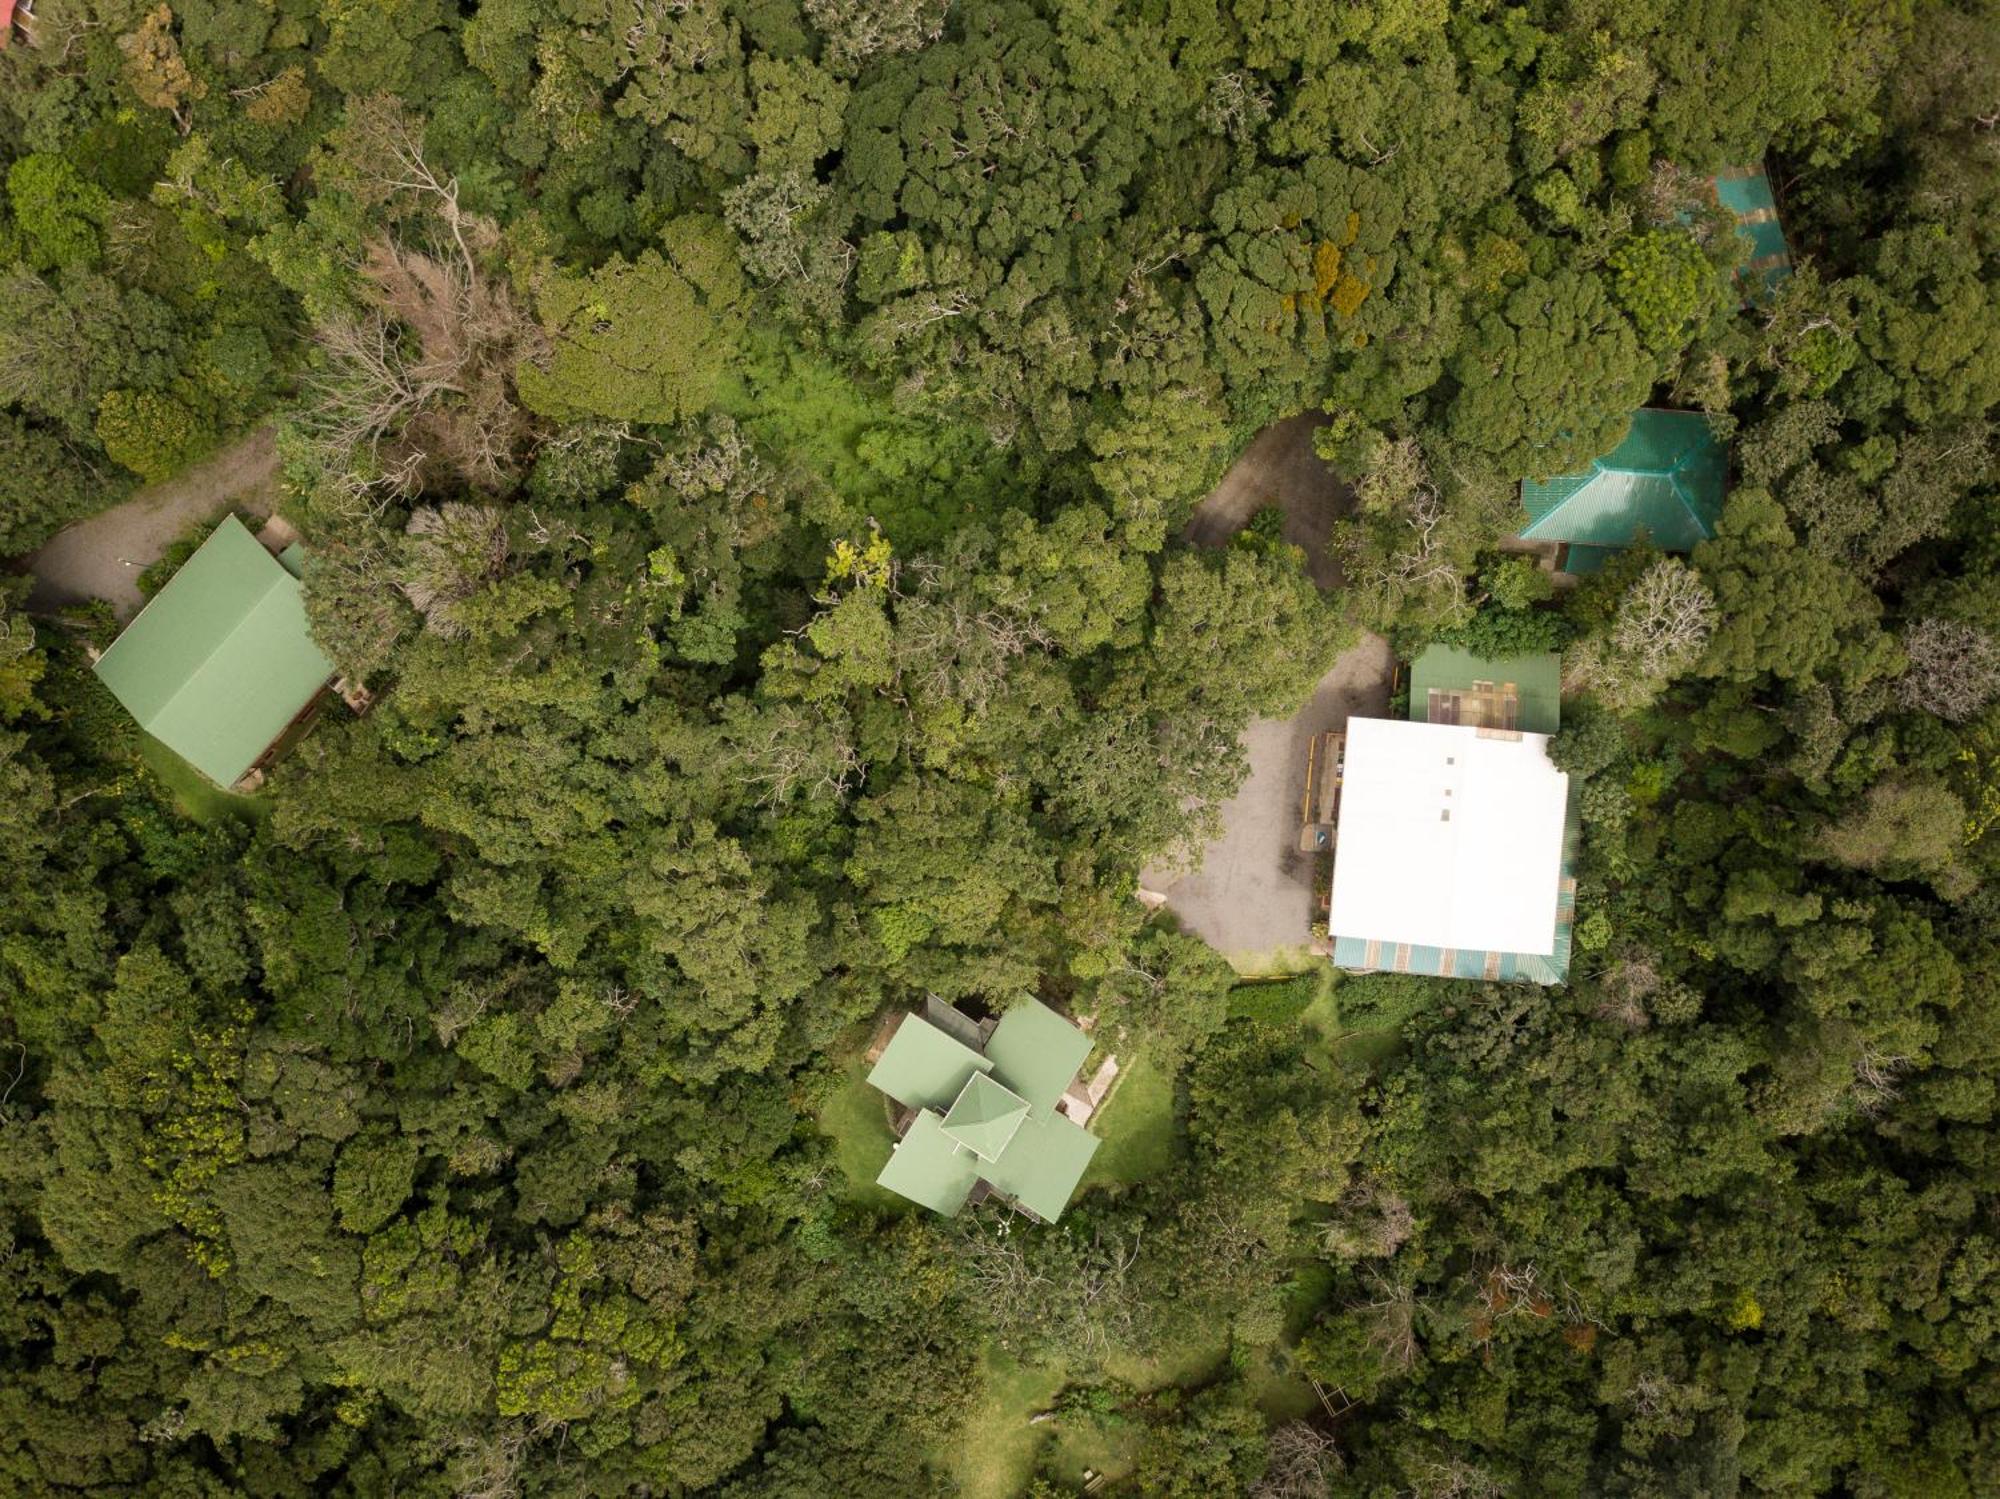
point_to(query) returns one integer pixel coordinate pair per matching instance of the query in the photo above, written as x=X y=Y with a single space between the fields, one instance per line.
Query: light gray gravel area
x=101 y=558
x=1250 y=897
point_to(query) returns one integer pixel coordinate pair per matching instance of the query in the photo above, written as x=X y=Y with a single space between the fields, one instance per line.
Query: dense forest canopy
x=744 y=445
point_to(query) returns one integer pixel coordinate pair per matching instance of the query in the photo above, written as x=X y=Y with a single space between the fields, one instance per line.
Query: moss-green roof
x=1043 y=1164
x=990 y=1117
x=928 y=1167
x=1667 y=478
x=985 y=1117
x=1036 y=1053
x=1537 y=682
x=221 y=660
x=923 y=1068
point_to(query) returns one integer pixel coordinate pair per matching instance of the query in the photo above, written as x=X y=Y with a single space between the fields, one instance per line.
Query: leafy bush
x=1274 y=1001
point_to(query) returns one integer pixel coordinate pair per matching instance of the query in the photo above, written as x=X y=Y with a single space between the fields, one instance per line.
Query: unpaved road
x=101 y=558
x=1279 y=468
x=1251 y=896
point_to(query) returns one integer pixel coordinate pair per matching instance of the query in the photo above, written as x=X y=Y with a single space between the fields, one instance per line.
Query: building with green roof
x=1746 y=193
x=1666 y=479
x=1449 y=685
x=221 y=662
x=988 y=1117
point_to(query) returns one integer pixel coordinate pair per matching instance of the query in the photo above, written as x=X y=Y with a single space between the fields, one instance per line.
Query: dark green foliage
x=744 y=444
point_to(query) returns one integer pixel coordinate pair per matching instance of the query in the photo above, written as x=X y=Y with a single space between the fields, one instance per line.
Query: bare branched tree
x=784 y=749
x=1058 y=1292
x=1447 y=1477
x=1877 y=1078
x=857 y=30
x=1392 y=1322
x=1665 y=620
x=454 y=550
x=421 y=381
x=1300 y=1462
x=1954 y=669
x=382 y=151
x=1370 y=1222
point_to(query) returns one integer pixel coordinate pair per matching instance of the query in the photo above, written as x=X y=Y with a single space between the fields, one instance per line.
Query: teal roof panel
x=1666 y=478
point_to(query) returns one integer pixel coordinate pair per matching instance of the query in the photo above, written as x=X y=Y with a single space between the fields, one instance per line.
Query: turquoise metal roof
x=1746 y=193
x=1667 y=478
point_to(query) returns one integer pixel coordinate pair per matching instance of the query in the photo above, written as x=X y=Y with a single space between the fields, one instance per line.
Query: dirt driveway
x=1251 y=896
x=101 y=558
x=1279 y=468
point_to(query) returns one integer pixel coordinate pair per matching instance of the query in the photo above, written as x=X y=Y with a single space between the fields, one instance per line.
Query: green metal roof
x=1667 y=478
x=221 y=660
x=1043 y=1164
x=990 y=1117
x=923 y=1068
x=1036 y=1053
x=985 y=1117
x=928 y=1167
x=1537 y=680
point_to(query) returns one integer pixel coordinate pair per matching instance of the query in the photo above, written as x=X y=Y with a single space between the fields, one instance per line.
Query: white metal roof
x=1448 y=837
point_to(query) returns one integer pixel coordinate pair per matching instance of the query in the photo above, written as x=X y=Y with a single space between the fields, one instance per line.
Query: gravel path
x=1251 y=896
x=101 y=558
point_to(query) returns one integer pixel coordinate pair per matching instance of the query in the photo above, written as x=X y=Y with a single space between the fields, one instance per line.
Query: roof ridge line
x=234 y=630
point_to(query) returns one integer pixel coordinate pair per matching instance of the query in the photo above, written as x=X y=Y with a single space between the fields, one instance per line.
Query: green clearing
x=1369 y=1044
x=856 y=1120
x=193 y=793
x=1138 y=1126
x=994 y=1456
x=1280 y=962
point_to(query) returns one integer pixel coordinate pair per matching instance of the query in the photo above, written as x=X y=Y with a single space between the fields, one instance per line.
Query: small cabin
x=221 y=663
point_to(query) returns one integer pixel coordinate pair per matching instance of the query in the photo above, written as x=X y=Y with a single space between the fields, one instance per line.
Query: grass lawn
x=1137 y=1125
x=1368 y=1045
x=192 y=792
x=994 y=1456
x=1084 y=1448
x=856 y=1119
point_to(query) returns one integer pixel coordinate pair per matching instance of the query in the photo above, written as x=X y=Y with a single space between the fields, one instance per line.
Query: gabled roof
x=928 y=1167
x=1037 y=1053
x=1667 y=478
x=1041 y=1168
x=1536 y=680
x=923 y=1068
x=221 y=660
x=985 y=1117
